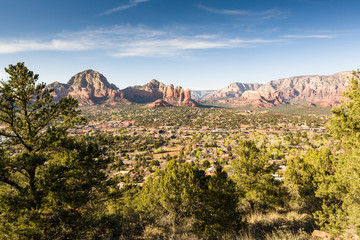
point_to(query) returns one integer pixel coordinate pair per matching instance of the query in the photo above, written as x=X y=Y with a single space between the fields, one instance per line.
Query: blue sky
x=197 y=44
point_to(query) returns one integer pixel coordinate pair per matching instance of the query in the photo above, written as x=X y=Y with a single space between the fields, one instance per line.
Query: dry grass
x=275 y=225
x=260 y=226
x=276 y=235
x=286 y=235
x=274 y=216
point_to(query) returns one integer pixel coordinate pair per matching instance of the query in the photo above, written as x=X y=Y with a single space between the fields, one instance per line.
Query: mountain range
x=315 y=89
x=90 y=88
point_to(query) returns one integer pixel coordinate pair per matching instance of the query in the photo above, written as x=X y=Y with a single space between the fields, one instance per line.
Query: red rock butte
x=90 y=87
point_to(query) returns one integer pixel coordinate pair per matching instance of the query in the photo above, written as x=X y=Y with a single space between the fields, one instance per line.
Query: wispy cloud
x=308 y=36
x=247 y=14
x=126 y=41
x=173 y=47
x=130 y=4
x=14 y=46
x=140 y=41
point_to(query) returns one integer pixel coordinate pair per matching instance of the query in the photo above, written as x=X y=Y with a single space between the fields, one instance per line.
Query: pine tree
x=50 y=183
x=171 y=196
x=257 y=188
x=182 y=199
x=345 y=122
x=218 y=214
x=340 y=191
x=305 y=174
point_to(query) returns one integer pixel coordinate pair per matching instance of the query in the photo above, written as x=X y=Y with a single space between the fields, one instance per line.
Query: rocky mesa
x=234 y=90
x=160 y=103
x=320 y=89
x=154 y=90
x=90 y=87
x=315 y=89
x=253 y=99
x=308 y=86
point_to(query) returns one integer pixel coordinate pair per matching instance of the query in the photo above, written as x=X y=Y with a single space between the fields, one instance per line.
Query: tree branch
x=11 y=183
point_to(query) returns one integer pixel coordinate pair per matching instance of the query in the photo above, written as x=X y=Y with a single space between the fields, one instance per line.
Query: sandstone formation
x=259 y=100
x=89 y=87
x=315 y=88
x=253 y=99
x=234 y=90
x=159 y=104
x=155 y=90
x=324 y=91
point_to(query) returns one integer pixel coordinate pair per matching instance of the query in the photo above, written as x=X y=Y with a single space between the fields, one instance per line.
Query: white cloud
x=206 y=36
x=126 y=40
x=166 y=47
x=171 y=47
x=130 y=4
x=247 y=14
x=308 y=36
x=14 y=46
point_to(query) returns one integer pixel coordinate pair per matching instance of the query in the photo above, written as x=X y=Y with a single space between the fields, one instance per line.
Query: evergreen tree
x=51 y=184
x=305 y=174
x=218 y=214
x=169 y=199
x=182 y=199
x=345 y=122
x=340 y=192
x=257 y=188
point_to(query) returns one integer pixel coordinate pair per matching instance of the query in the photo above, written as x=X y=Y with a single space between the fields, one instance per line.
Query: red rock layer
x=88 y=87
x=158 y=104
x=155 y=90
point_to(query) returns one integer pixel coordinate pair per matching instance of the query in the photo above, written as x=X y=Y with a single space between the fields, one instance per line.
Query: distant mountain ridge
x=155 y=90
x=90 y=87
x=319 y=89
x=200 y=94
x=308 y=88
x=234 y=90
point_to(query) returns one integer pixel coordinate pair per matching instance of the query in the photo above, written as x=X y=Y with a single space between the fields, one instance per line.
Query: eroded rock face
x=60 y=90
x=323 y=91
x=234 y=90
x=255 y=99
x=155 y=90
x=314 y=88
x=88 y=87
x=91 y=87
x=160 y=103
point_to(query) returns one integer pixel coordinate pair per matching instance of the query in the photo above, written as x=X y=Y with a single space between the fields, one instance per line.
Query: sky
x=196 y=44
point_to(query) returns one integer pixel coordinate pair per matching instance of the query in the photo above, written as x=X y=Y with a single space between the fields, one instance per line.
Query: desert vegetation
x=129 y=172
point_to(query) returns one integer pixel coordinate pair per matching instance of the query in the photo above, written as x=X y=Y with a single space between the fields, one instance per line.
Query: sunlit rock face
x=155 y=90
x=88 y=87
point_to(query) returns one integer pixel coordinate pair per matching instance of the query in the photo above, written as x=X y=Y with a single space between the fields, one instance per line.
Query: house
x=277 y=177
x=210 y=171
